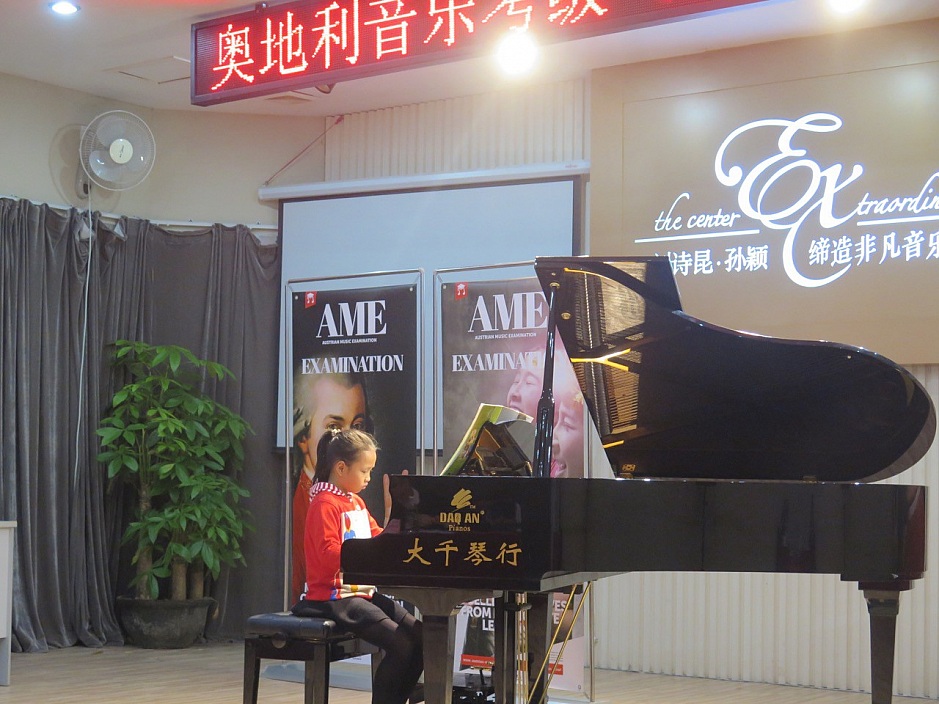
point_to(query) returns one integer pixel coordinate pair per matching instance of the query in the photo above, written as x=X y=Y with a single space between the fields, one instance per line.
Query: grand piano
x=730 y=452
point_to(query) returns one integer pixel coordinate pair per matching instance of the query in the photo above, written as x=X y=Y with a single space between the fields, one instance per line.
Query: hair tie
x=334 y=432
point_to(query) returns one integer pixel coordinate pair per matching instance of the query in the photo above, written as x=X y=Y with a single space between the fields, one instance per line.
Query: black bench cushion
x=285 y=624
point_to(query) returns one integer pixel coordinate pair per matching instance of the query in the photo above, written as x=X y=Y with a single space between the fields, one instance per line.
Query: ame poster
x=354 y=363
x=493 y=351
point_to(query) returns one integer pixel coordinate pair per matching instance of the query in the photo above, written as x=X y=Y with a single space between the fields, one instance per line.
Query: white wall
x=208 y=166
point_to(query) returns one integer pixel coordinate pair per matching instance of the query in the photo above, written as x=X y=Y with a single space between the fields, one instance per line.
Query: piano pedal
x=470 y=693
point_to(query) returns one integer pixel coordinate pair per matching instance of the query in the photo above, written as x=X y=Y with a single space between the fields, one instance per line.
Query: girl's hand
x=385 y=484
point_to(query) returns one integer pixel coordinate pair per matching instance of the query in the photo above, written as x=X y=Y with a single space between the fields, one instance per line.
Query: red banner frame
x=305 y=43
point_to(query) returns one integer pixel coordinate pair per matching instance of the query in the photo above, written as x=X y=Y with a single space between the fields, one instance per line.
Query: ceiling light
x=517 y=53
x=63 y=7
x=845 y=6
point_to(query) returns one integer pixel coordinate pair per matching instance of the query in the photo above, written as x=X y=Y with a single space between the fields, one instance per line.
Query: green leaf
x=108 y=435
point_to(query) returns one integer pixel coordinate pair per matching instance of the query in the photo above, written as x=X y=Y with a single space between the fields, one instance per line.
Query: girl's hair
x=340 y=445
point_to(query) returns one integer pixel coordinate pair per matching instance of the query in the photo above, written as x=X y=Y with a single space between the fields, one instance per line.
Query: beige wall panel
x=656 y=129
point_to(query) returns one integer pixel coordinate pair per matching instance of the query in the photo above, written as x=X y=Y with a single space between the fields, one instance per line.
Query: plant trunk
x=197 y=580
x=178 y=580
x=144 y=553
x=144 y=563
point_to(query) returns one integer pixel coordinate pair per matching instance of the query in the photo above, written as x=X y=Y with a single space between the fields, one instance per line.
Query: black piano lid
x=673 y=396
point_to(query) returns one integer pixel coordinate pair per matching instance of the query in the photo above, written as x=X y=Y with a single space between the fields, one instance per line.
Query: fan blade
x=137 y=164
x=102 y=165
x=98 y=159
x=110 y=128
x=144 y=147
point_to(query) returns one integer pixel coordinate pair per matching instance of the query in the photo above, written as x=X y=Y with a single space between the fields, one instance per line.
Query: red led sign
x=292 y=45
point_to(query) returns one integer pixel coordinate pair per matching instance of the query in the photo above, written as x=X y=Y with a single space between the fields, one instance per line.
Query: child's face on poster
x=525 y=391
x=568 y=442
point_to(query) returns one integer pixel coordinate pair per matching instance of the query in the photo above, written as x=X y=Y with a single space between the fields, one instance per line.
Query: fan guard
x=117 y=150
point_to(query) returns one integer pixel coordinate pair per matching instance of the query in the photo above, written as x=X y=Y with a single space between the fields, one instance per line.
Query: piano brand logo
x=358 y=319
x=462 y=499
x=520 y=311
x=460 y=520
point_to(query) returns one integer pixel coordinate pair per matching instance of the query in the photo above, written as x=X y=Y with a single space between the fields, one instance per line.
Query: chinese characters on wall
x=823 y=232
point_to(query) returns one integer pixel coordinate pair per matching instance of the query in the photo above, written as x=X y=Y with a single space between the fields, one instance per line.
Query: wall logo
x=825 y=232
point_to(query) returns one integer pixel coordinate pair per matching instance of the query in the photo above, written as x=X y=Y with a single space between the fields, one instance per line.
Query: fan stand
x=85 y=234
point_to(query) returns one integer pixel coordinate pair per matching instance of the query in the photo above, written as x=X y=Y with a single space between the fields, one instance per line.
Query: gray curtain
x=214 y=291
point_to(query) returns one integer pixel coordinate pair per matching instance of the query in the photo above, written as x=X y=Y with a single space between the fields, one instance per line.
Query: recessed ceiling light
x=517 y=53
x=63 y=7
x=846 y=6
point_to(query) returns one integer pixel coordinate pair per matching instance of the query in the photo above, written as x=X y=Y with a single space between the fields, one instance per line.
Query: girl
x=344 y=463
x=321 y=401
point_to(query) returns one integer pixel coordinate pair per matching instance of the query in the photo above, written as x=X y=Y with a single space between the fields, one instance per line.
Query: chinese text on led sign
x=293 y=45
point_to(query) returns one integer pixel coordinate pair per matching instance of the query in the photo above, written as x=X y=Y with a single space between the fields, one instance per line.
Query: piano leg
x=540 y=630
x=505 y=645
x=883 y=607
x=538 y=608
x=438 y=655
x=439 y=608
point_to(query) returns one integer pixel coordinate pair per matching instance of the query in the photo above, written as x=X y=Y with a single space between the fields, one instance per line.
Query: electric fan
x=117 y=150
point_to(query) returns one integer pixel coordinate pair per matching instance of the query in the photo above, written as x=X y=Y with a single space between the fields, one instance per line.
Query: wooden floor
x=211 y=674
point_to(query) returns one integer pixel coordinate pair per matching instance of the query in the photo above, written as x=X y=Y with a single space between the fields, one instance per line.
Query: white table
x=6 y=597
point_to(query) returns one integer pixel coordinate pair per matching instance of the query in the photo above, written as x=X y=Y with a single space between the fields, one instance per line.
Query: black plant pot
x=163 y=623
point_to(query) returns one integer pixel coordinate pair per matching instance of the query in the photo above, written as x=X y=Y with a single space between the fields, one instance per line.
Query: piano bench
x=316 y=642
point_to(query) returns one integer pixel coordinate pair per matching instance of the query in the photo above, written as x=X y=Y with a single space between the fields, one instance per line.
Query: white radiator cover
x=544 y=124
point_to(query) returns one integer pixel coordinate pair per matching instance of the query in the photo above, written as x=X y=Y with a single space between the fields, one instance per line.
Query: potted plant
x=178 y=449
